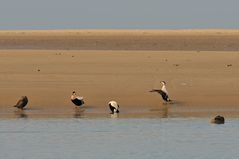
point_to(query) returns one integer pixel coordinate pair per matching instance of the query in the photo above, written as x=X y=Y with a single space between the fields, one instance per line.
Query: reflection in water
x=115 y=115
x=79 y=112
x=168 y=110
x=162 y=113
x=20 y=114
x=173 y=138
x=165 y=113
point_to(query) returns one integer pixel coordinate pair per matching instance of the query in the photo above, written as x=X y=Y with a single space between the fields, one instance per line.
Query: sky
x=119 y=14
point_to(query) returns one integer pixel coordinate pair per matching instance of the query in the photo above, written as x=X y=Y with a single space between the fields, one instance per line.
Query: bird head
x=163 y=82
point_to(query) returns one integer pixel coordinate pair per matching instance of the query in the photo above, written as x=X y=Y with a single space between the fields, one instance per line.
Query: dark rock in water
x=22 y=102
x=218 y=120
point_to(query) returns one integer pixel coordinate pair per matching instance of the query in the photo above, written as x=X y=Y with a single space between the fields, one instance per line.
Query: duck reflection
x=115 y=115
x=21 y=114
x=79 y=113
x=161 y=113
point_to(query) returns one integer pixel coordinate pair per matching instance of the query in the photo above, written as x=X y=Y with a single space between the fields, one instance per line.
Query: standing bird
x=163 y=92
x=114 y=107
x=22 y=102
x=78 y=101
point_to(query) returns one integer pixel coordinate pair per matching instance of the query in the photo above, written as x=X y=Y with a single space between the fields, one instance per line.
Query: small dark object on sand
x=22 y=102
x=218 y=120
x=229 y=65
x=38 y=70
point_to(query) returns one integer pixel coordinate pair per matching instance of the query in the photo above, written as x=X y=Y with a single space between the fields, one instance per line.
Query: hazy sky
x=118 y=14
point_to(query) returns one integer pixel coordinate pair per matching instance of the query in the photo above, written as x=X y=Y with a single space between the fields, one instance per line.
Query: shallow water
x=168 y=138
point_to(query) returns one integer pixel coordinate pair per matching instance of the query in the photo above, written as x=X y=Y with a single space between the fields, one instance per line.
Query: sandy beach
x=201 y=75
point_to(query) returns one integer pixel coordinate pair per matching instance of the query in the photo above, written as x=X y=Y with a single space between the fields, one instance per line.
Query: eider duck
x=163 y=92
x=78 y=101
x=22 y=102
x=114 y=107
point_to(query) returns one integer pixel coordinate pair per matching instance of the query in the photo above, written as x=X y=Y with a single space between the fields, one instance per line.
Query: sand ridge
x=157 y=40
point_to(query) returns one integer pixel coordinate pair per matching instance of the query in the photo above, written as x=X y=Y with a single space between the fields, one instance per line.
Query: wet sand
x=200 y=84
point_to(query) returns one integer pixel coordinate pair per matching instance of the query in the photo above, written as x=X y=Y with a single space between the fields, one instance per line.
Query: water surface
x=168 y=138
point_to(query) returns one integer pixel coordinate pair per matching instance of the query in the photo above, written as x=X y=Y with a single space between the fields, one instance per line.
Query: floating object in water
x=22 y=102
x=163 y=92
x=114 y=107
x=218 y=120
x=78 y=101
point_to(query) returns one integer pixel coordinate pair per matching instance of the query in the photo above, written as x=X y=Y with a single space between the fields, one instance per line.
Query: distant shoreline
x=151 y=40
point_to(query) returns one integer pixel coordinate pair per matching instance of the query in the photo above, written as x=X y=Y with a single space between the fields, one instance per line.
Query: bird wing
x=80 y=98
x=77 y=101
x=155 y=90
x=21 y=103
x=162 y=93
